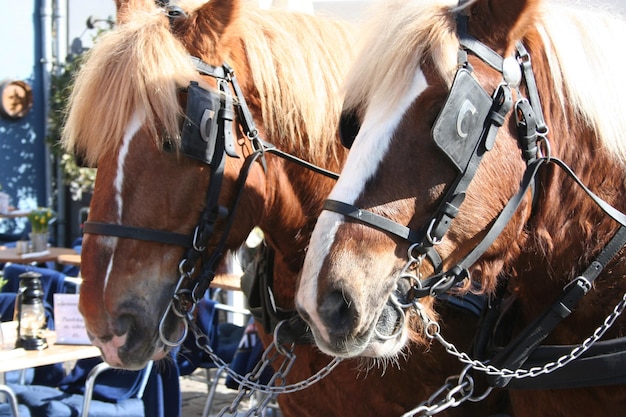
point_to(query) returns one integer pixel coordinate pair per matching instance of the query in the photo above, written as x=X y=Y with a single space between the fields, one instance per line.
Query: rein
x=599 y=367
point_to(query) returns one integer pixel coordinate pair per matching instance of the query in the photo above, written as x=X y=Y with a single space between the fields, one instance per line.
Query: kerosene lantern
x=30 y=313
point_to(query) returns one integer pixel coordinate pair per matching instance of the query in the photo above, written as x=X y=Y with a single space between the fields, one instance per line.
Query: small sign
x=69 y=324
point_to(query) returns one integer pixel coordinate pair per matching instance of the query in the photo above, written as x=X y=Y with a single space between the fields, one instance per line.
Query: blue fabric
x=5 y=411
x=112 y=384
x=112 y=393
x=229 y=338
x=247 y=356
x=45 y=401
x=71 y=270
x=7 y=305
x=162 y=396
x=189 y=357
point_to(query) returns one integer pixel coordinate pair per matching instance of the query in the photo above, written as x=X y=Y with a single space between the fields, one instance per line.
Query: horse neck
x=567 y=230
x=293 y=202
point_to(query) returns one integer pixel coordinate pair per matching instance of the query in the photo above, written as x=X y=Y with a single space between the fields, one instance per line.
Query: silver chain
x=249 y=385
x=462 y=385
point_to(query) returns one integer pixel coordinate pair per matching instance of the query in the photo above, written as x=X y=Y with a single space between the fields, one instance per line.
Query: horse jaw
x=122 y=314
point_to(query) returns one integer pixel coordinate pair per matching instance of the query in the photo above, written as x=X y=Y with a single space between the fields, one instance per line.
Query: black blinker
x=349 y=126
x=200 y=128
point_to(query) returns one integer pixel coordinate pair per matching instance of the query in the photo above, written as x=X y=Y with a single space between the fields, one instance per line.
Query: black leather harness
x=603 y=363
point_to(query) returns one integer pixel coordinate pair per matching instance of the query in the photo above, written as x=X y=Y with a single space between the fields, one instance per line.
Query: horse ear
x=124 y=7
x=223 y=12
x=502 y=22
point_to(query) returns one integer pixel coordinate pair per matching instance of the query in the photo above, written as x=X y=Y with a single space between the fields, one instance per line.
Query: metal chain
x=462 y=385
x=455 y=391
x=249 y=385
x=432 y=331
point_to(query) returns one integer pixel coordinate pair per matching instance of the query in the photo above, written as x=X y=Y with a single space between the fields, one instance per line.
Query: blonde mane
x=300 y=84
x=587 y=71
x=140 y=65
x=399 y=35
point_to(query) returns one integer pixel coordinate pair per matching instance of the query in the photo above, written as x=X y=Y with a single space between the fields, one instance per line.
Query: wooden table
x=51 y=255
x=16 y=359
x=72 y=259
x=230 y=282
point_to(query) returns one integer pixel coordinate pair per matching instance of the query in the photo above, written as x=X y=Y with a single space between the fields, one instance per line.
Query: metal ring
x=196 y=234
x=402 y=319
x=162 y=336
x=181 y=270
x=279 y=346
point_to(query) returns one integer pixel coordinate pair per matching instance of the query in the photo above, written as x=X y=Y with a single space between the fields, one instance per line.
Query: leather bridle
x=534 y=144
x=193 y=284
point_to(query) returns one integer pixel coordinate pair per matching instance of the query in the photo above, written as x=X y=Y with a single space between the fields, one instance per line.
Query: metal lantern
x=30 y=313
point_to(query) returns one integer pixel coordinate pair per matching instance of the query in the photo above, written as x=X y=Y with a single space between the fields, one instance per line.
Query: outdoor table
x=50 y=255
x=17 y=358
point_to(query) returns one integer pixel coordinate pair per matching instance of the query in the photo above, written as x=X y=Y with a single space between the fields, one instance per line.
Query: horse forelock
x=399 y=36
x=141 y=64
x=587 y=69
x=138 y=65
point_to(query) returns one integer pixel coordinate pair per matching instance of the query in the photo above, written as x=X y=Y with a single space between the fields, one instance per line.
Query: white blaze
x=370 y=146
x=133 y=127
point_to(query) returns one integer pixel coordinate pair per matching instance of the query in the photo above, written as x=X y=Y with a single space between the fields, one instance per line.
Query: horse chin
x=386 y=338
x=128 y=351
x=390 y=333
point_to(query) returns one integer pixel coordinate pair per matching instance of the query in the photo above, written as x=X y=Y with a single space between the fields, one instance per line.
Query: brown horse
x=126 y=116
x=475 y=129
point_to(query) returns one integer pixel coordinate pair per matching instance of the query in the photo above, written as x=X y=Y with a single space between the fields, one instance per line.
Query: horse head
x=435 y=106
x=171 y=105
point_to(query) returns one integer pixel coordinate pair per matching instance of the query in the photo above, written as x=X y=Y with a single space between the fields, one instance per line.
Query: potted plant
x=40 y=222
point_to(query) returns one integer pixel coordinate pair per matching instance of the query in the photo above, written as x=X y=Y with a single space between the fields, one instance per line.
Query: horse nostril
x=338 y=313
x=124 y=324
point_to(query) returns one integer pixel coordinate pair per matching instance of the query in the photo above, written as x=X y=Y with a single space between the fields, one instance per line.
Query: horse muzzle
x=342 y=336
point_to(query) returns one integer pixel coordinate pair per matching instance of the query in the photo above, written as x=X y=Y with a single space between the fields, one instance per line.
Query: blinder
x=460 y=124
x=349 y=126
x=208 y=114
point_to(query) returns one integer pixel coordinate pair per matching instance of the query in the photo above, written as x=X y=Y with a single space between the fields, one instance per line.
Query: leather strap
x=603 y=364
x=139 y=233
x=374 y=220
x=518 y=351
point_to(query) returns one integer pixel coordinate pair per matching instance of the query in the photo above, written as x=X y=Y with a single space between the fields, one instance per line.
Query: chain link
x=463 y=385
x=549 y=367
x=249 y=385
x=455 y=391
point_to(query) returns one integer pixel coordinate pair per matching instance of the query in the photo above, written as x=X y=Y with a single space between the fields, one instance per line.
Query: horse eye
x=167 y=143
x=168 y=146
x=349 y=126
x=79 y=158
